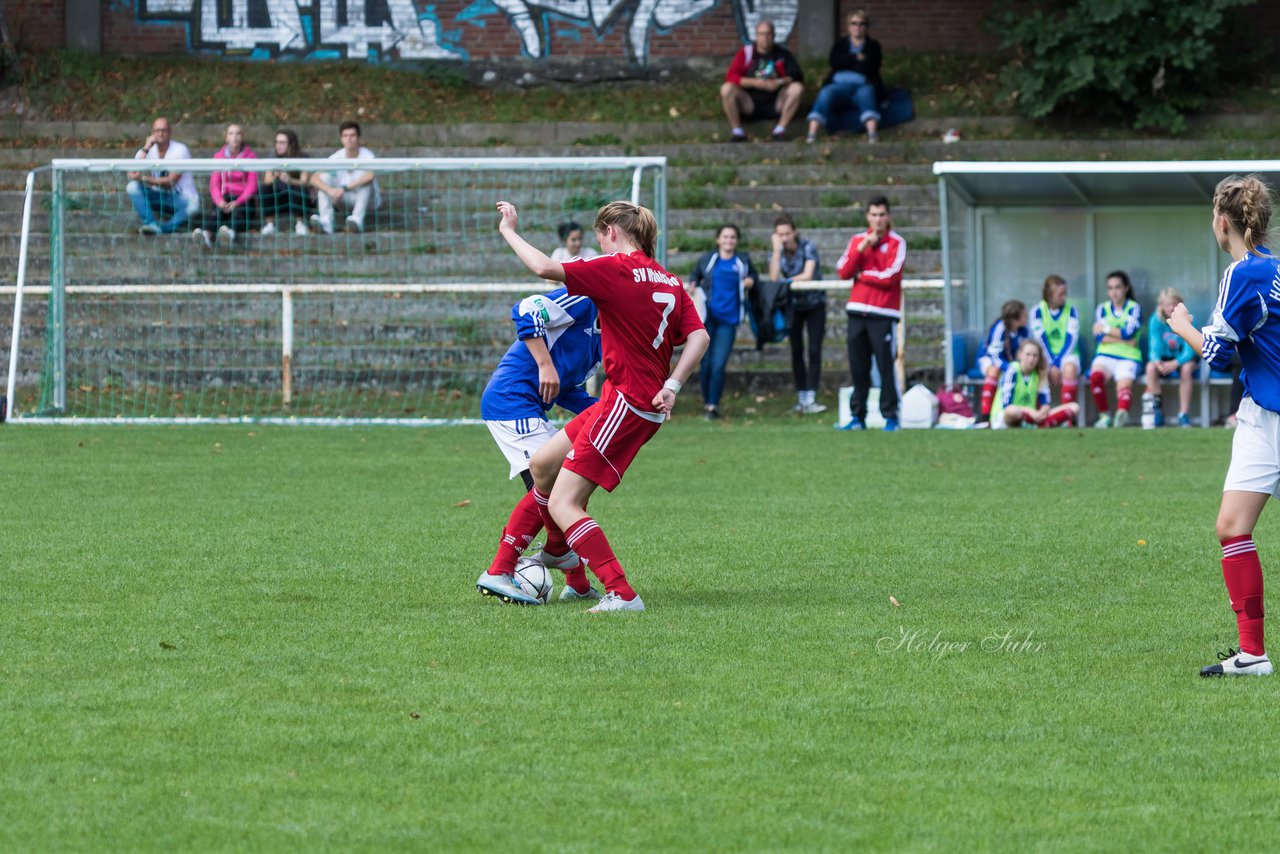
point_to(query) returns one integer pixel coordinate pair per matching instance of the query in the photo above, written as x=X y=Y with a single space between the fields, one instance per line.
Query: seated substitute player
x=1024 y=393
x=1055 y=322
x=644 y=314
x=1117 y=325
x=1004 y=338
x=1246 y=319
x=1168 y=356
x=556 y=351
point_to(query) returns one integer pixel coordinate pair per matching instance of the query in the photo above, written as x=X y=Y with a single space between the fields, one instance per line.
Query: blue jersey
x=1018 y=389
x=1000 y=351
x=571 y=328
x=1247 y=319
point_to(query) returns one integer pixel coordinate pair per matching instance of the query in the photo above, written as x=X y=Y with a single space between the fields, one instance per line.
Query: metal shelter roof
x=1075 y=183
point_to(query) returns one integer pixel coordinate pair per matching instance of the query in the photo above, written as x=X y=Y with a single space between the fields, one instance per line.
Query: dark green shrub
x=1139 y=63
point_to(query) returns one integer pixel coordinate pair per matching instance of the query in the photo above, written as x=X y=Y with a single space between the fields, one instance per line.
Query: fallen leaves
x=894 y=602
x=466 y=502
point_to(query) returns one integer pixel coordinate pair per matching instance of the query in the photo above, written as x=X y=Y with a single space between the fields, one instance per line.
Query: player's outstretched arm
x=694 y=346
x=532 y=257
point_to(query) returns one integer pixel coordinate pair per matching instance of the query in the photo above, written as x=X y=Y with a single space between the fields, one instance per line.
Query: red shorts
x=606 y=437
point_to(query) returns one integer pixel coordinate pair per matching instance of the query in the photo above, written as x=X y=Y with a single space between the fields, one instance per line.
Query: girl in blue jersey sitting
x=999 y=350
x=556 y=352
x=1168 y=356
x=724 y=274
x=1246 y=320
x=1024 y=393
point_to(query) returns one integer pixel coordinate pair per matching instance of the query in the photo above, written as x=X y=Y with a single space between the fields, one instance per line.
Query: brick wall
x=953 y=25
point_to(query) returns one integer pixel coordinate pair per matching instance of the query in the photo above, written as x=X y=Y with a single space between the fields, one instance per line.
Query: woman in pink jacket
x=231 y=192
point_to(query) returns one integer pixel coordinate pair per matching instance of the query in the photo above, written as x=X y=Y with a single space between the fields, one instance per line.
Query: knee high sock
x=1098 y=388
x=1242 y=571
x=1070 y=388
x=1124 y=398
x=555 y=537
x=587 y=539
x=1056 y=417
x=989 y=387
x=521 y=528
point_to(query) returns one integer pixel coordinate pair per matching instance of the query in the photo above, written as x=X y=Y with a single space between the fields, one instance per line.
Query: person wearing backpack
x=725 y=274
x=795 y=259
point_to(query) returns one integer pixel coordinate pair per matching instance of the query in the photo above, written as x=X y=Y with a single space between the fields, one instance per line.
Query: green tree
x=1142 y=63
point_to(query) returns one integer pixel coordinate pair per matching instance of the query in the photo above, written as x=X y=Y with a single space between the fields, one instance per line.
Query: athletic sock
x=989 y=387
x=1124 y=399
x=588 y=540
x=555 y=537
x=1070 y=388
x=521 y=528
x=1059 y=416
x=1098 y=388
x=1242 y=571
x=1027 y=417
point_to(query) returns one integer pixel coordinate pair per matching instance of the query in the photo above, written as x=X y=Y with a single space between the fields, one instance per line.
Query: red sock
x=1070 y=388
x=1098 y=388
x=587 y=539
x=1027 y=417
x=1242 y=571
x=555 y=537
x=1061 y=415
x=1124 y=397
x=521 y=528
x=989 y=387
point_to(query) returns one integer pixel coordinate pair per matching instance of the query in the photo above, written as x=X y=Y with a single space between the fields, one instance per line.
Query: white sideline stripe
x=1115 y=167
x=377 y=164
x=382 y=288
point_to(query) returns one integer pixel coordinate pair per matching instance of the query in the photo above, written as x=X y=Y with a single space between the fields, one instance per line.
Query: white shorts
x=1255 y=451
x=1119 y=369
x=519 y=440
x=1072 y=359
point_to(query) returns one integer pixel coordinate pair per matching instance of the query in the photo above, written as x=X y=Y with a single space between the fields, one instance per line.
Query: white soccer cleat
x=613 y=602
x=1103 y=422
x=1238 y=664
x=1122 y=417
x=568 y=594
x=565 y=562
x=504 y=587
x=268 y=229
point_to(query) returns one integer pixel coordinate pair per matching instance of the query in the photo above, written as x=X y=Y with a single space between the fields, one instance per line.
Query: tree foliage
x=1142 y=63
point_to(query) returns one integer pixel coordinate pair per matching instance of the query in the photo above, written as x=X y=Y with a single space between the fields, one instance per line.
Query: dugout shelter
x=1005 y=226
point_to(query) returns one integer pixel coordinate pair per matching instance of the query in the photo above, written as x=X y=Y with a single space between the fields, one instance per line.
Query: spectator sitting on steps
x=355 y=190
x=764 y=81
x=172 y=195
x=232 y=193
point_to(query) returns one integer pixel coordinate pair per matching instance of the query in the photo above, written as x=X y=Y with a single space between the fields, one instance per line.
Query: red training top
x=644 y=314
x=877 y=288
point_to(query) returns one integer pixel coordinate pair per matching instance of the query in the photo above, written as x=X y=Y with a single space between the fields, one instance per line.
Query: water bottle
x=1148 y=412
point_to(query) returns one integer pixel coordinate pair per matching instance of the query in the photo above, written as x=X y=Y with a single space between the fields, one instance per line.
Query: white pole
x=17 y=302
x=286 y=343
x=636 y=178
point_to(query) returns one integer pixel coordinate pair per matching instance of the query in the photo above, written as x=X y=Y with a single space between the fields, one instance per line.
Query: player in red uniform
x=644 y=314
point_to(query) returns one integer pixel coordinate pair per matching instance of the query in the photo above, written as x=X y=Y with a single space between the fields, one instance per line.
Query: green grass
x=268 y=638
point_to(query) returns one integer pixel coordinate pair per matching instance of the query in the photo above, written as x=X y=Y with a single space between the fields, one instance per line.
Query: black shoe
x=712 y=413
x=737 y=137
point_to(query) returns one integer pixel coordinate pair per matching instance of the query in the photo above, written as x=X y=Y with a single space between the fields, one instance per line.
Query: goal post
x=398 y=321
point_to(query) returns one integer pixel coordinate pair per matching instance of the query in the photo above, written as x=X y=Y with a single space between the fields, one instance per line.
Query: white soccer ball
x=534 y=579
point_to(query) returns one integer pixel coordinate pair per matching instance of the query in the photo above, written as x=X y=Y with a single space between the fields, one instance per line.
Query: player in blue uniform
x=999 y=350
x=1246 y=320
x=556 y=352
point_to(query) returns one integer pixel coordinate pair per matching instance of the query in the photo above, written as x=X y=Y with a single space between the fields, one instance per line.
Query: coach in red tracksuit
x=874 y=260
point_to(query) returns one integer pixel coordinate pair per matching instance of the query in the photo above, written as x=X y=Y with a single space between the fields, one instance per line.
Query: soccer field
x=269 y=638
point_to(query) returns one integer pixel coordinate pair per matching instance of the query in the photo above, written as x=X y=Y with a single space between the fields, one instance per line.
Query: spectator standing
x=285 y=195
x=1168 y=355
x=355 y=190
x=874 y=260
x=232 y=193
x=571 y=243
x=795 y=259
x=854 y=81
x=764 y=81
x=1117 y=326
x=172 y=195
x=1055 y=323
x=725 y=275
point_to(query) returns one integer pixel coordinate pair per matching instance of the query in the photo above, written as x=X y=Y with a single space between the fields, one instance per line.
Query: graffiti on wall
x=372 y=30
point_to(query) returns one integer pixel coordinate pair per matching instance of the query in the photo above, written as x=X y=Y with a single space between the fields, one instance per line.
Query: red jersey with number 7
x=645 y=313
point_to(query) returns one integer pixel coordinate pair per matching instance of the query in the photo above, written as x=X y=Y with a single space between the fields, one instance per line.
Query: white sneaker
x=149 y=228
x=301 y=228
x=227 y=235
x=613 y=602
x=1103 y=422
x=354 y=226
x=322 y=225
x=565 y=562
x=568 y=594
x=268 y=229
x=202 y=239
x=812 y=408
x=1238 y=664
x=1122 y=418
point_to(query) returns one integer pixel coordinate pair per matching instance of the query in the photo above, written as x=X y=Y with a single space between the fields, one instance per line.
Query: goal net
x=398 y=319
